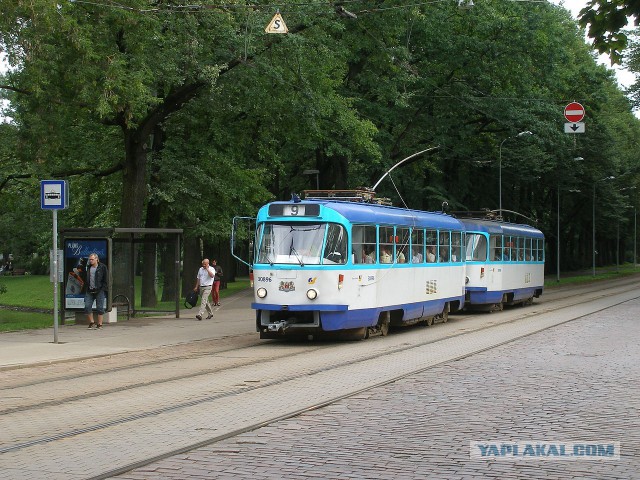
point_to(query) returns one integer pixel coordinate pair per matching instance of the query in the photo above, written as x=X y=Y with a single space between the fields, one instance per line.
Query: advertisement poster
x=76 y=261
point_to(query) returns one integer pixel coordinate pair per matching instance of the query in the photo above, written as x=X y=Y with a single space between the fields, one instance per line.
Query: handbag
x=191 y=300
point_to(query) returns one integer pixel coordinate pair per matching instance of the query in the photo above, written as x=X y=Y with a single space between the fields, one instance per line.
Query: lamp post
x=526 y=132
x=618 y=236
x=593 y=239
x=316 y=173
x=576 y=159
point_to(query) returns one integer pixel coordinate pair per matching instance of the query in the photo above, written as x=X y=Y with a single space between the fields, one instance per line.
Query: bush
x=37 y=265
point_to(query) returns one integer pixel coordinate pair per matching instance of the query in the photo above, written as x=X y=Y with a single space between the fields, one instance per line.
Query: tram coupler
x=277 y=327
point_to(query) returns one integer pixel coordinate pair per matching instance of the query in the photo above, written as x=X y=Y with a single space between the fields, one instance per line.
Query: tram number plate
x=293 y=210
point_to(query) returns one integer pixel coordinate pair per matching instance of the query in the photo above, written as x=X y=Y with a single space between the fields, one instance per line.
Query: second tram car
x=504 y=263
x=326 y=265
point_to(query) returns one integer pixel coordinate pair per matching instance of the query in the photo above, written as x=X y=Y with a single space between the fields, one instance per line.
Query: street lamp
x=526 y=132
x=576 y=159
x=618 y=236
x=593 y=240
x=316 y=173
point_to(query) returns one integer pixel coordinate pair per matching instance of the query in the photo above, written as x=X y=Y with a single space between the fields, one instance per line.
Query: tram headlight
x=261 y=292
x=312 y=294
x=466 y=280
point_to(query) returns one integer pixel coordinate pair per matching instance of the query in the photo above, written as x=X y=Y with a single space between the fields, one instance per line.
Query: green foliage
x=606 y=20
x=187 y=119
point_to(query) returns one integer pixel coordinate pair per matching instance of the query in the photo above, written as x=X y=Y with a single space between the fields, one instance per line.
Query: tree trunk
x=134 y=185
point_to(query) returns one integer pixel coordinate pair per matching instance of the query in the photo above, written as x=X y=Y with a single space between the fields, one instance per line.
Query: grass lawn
x=603 y=273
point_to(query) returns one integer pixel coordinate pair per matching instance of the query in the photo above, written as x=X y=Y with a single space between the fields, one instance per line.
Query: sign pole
x=55 y=276
x=54 y=196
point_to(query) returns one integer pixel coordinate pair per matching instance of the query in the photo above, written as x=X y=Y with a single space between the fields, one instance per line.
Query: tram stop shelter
x=144 y=259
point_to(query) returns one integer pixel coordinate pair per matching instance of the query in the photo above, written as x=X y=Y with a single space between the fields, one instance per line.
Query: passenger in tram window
x=366 y=257
x=401 y=258
x=431 y=254
x=444 y=254
x=385 y=256
x=417 y=256
x=509 y=252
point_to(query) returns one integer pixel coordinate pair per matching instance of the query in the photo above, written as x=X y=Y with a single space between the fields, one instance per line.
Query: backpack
x=191 y=300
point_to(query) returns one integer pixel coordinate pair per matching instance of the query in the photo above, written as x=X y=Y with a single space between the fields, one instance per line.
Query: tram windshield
x=302 y=243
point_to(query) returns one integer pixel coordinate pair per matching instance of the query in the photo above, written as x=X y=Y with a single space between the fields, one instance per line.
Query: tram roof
x=358 y=212
x=498 y=227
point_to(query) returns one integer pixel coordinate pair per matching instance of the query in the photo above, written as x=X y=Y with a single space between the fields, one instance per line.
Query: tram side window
x=386 y=244
x=527 y=249
x=402 y=244
x=476 y=247
x=520 y=248
x=444 y=253
x=335 y=250
x=509 y=251
x=417 y=245
x=495 y=247
x=432 y=246
x=540 y=250
x=364 y=243
x=456 y=246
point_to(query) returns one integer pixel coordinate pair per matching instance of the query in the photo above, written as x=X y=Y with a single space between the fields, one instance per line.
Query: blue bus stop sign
x=54 y=194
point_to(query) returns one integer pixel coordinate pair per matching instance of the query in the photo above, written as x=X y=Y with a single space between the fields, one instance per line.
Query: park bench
x=18 y=271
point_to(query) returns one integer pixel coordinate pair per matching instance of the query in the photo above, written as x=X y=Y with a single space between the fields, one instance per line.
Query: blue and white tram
x=504 y=264
x=324 y=265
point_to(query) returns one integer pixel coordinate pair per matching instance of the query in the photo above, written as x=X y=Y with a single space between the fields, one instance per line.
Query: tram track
x=188 y=363
x=252 y=373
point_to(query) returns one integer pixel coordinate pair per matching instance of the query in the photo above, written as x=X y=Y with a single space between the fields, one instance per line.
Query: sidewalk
x=33 y=347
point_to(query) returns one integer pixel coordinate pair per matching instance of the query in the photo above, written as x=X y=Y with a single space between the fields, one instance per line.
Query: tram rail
x=250 y=371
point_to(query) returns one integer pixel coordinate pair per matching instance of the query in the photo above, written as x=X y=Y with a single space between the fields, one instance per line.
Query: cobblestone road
x=574 y=382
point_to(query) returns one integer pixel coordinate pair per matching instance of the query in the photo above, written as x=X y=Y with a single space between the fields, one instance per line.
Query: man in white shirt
x=204 y=283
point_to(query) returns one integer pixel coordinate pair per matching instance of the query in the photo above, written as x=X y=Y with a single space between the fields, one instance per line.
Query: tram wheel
x=445 y=314
x=497 y=307
x=384 y=329
x=429 y=321
x=383 y=323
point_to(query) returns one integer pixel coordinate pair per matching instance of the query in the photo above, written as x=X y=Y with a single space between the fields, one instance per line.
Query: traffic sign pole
x=55 y=276
x=54 y=195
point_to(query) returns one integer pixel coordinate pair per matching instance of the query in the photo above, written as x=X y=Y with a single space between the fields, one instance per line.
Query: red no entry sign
x=574 y=112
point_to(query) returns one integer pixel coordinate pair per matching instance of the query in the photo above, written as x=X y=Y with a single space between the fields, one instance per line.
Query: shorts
x=99 y=297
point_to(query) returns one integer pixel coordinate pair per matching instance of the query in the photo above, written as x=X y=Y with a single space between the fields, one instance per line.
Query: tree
x=605 y=20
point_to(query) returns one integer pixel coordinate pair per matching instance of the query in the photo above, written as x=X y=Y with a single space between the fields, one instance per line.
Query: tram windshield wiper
x=294 y=251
